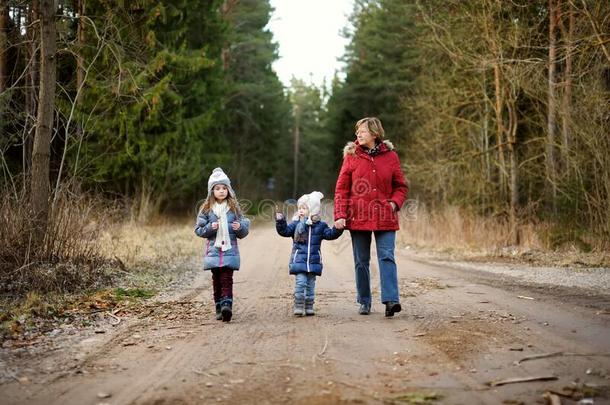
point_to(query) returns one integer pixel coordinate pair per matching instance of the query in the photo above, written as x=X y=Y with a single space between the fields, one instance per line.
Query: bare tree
x=32 y=82
x=4 y=44
x=551 y=170
x=80 y=59
x=566 y=101
x=40 y=182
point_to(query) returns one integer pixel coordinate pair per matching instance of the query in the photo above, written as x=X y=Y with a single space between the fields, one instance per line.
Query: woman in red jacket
x=370 y=191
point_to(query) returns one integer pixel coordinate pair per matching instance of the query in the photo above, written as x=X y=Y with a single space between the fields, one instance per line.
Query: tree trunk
x=227 y=8
x=500 y=129
x=80 y=60
x=31 y=96
x=40 y=182
x=566 y=105
x=551 y=117
x=514 y=170
x=4 y=45
x=485 y=130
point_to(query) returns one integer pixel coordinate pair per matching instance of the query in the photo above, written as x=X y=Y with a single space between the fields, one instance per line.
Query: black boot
x=218 y=314
x=226 y=309
x=391 y=307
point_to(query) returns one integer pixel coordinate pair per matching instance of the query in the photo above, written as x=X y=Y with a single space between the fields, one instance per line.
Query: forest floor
x=465 y=331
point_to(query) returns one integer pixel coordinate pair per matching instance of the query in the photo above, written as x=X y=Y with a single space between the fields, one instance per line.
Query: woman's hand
x=235 y=225
x=394 y=206
x=340 y=223
x=279 y=216
x=214 y=225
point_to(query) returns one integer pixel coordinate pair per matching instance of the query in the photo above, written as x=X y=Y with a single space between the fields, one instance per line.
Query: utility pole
x=296 y=133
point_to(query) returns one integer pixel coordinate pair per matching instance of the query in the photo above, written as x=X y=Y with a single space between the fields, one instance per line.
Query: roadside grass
x=36 y=313
x=458 y=233
x=139 y=261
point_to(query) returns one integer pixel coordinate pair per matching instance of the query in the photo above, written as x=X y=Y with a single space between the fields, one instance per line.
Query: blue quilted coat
x=213 y=256
x=306 y=256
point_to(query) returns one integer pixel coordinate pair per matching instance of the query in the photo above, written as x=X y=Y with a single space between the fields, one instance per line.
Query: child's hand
x=214 y=225
x=279 y=216
x=235 y=225
x=340 y=223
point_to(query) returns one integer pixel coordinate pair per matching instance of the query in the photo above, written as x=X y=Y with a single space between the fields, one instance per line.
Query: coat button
x=374 y=189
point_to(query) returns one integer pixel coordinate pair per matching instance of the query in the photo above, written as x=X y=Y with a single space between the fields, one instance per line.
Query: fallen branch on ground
x=112 y=314
x=557 y=354
x=324 y=348
x=521 y=379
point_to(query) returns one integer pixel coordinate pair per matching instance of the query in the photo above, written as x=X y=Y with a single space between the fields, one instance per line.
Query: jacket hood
x=350 y=147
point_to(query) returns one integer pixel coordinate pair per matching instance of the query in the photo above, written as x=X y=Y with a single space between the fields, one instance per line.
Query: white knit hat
x=312 y=201
x=218 y=176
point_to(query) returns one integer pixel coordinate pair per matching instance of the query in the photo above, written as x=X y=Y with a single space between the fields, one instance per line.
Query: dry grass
x=68 y=259
x=127 y=261
x=455 y=228
x=88 y=245
x=152 y=254
x=459 y=232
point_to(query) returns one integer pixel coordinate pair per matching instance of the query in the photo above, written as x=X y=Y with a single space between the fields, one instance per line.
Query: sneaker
x=391 y=307
x=365 y=309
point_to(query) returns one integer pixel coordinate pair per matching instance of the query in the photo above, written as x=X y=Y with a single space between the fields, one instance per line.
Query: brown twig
x=557 y=354
x=111 y=314
x=522 y=379
x=324 y=348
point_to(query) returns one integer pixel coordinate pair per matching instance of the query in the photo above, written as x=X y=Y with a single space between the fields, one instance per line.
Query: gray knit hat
x=218 y=176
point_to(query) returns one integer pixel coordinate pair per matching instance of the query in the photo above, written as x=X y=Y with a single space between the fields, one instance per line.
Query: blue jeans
x=305 y=286
x=361 y=244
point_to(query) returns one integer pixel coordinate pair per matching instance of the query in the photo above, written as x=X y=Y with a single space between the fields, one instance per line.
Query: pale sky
x=308 y=34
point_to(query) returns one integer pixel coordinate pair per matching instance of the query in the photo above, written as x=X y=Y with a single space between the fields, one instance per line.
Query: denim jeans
x=305 y=286
x=361 y=244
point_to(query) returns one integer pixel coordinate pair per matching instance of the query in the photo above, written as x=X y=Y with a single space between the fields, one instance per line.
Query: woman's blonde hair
x=374 y=126
x=231 y=202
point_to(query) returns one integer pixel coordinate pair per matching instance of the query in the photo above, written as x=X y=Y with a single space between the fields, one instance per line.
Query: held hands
x=394 y=206
x=215 y=225
x=340 y=223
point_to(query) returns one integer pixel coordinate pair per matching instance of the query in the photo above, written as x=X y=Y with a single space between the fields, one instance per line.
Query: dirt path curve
x=458 y=331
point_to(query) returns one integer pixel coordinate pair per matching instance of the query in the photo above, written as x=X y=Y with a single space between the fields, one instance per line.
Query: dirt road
x=458 y=331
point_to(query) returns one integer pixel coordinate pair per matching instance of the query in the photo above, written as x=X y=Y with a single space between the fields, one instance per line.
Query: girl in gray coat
x=221 y=222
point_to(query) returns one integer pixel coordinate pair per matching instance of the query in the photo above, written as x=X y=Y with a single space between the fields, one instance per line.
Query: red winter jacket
x=365 y=187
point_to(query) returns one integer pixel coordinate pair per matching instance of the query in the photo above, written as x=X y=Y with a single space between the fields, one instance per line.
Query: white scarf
x=223 y=240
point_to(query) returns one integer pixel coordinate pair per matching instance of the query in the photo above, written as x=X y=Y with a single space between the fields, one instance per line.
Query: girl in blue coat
x=221 y=222
x=307 y=231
